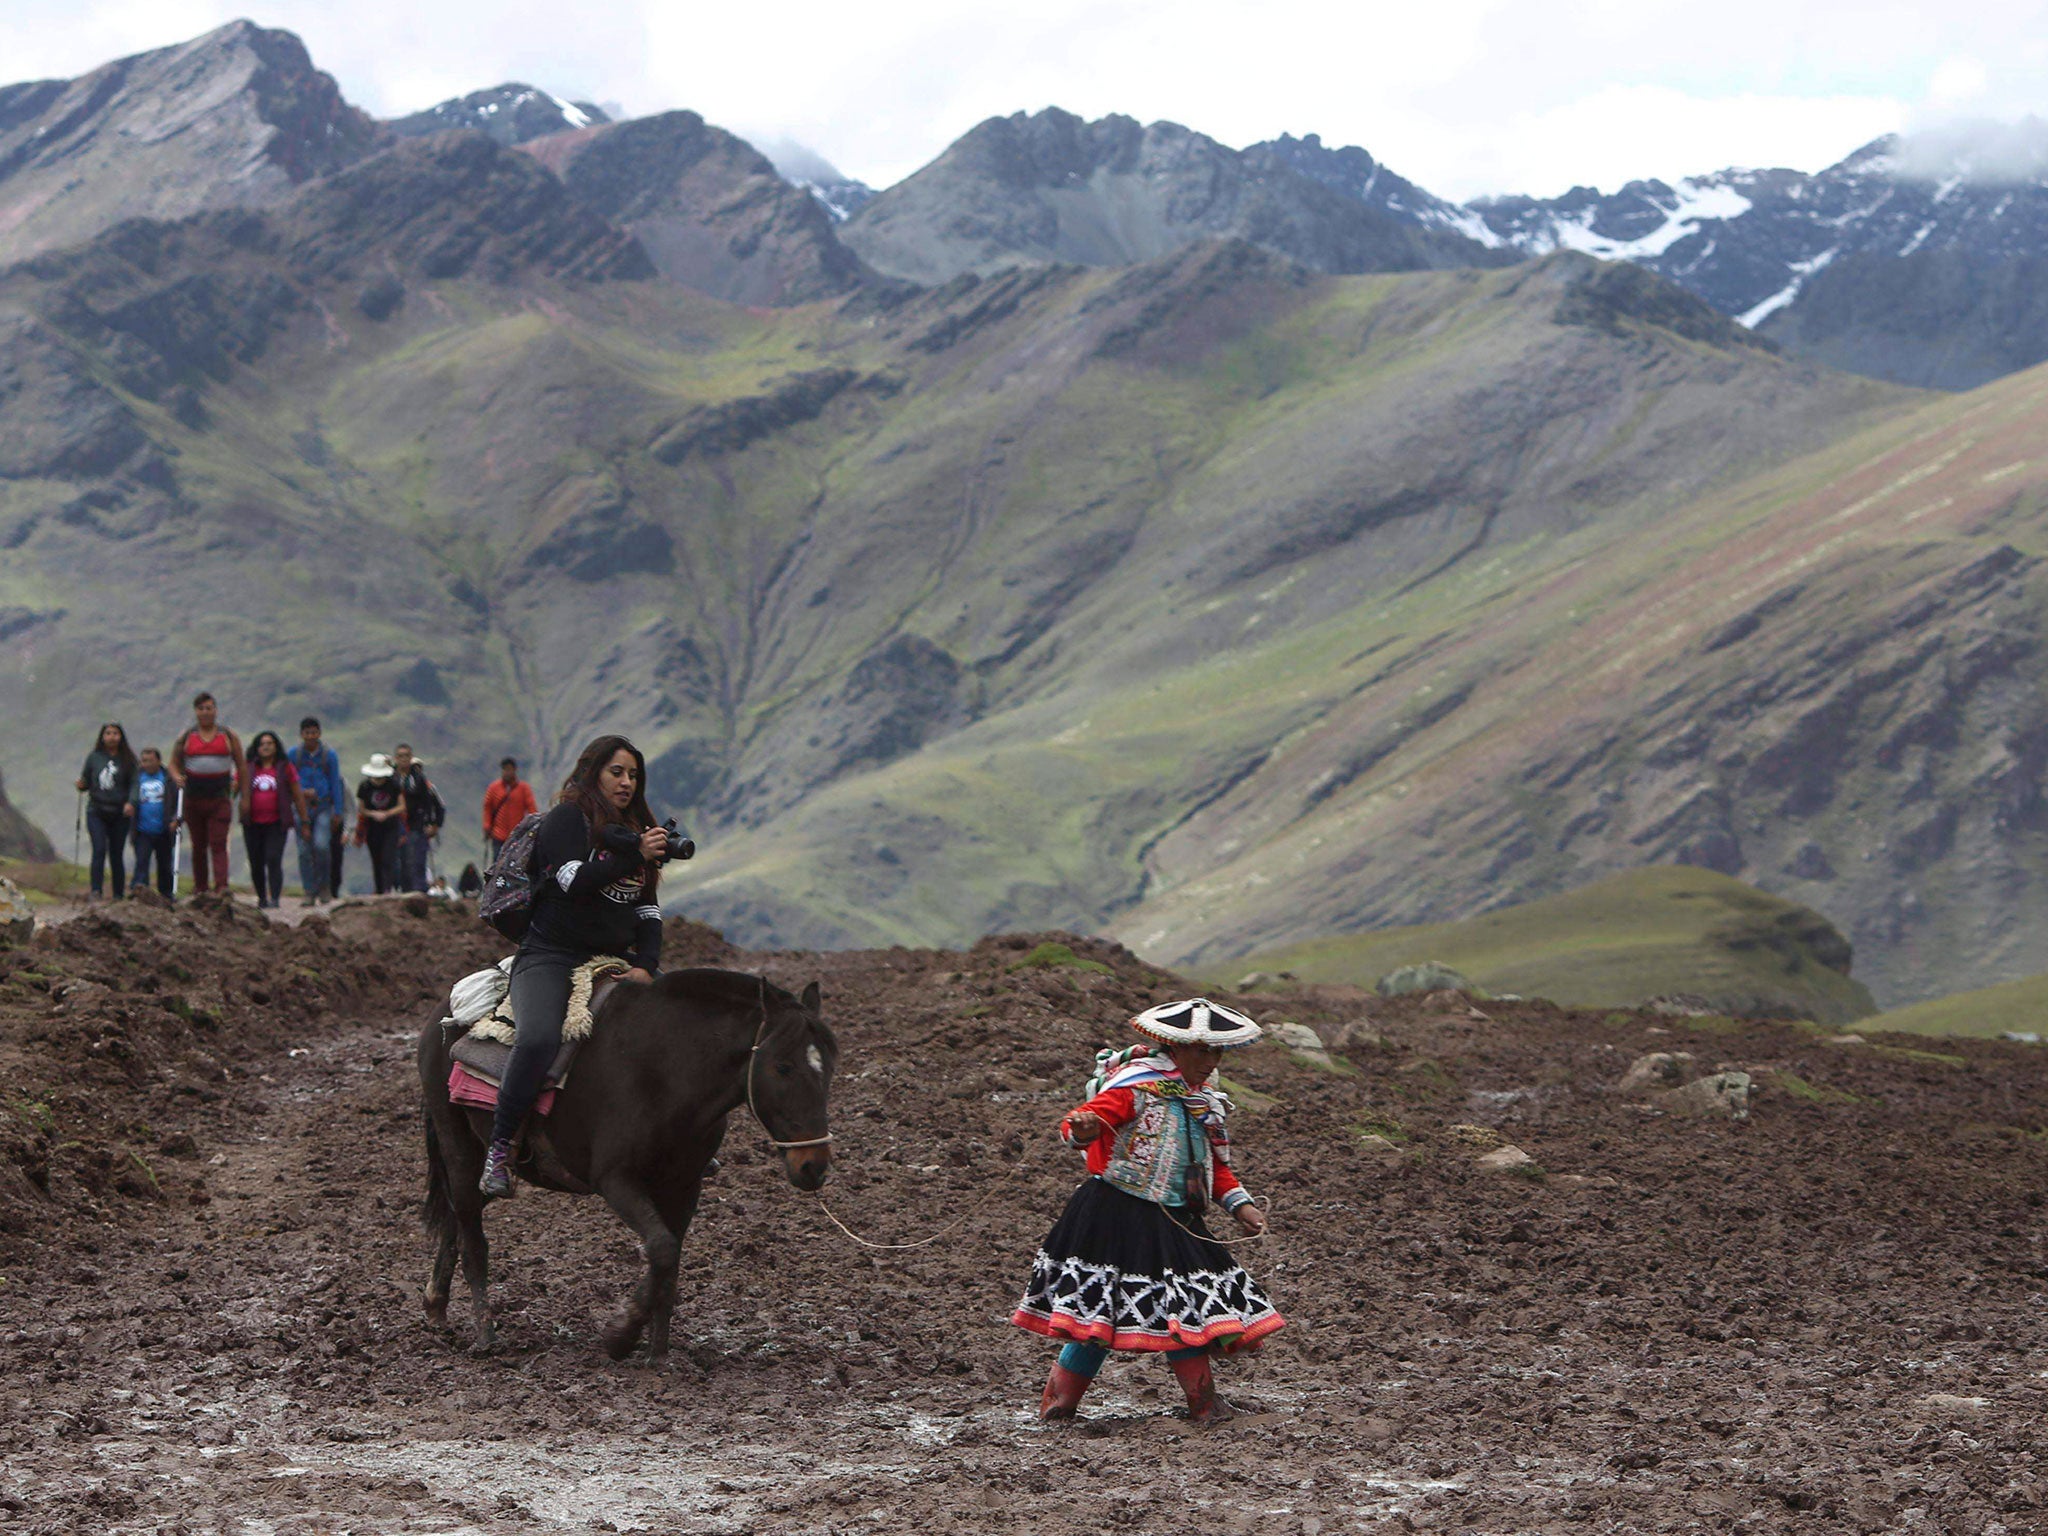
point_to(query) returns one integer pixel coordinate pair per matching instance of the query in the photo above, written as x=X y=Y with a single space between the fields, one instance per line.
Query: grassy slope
x=1226 y=550
x=1611 y=944
x=1166 y=680
x=1987 y=1012
x=1570 y=674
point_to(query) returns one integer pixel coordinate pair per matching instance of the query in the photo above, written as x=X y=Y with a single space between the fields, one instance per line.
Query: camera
x=626 y=840
x=679 y=844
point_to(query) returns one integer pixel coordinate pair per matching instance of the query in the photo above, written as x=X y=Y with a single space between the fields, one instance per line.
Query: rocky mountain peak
x=1052 y=188
x=842 y=195
x=512 y=114
x=708 y=207
x=236 y=118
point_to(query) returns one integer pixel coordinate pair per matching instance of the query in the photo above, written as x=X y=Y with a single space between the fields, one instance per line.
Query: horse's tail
x=437 y=1211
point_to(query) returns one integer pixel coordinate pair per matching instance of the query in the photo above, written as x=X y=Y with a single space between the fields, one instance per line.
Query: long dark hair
x=124 y=754
x=257 y=741
x=581 y=789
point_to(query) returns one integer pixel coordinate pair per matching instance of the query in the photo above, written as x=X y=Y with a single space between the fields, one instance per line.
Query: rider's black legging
x=540 y=1003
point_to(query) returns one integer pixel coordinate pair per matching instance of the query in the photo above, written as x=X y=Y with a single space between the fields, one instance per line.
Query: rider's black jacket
x=589 y=898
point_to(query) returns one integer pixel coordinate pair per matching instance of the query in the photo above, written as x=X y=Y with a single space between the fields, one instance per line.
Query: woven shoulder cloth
x=1148 y=1069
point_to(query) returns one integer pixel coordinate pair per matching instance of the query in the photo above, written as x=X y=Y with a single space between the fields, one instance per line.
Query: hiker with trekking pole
x=103 y=784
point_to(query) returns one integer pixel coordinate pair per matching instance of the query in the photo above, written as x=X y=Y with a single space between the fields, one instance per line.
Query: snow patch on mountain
x=1801 y=270
x=1692 y=204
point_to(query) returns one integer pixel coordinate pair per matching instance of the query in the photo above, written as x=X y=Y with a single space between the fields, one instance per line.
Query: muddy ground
x=1829 y=1317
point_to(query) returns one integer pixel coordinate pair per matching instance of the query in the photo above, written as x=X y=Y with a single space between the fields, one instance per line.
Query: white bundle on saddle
x=478 y=994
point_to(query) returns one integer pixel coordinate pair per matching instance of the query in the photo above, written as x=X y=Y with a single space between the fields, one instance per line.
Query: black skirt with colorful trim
x=1126 y=1273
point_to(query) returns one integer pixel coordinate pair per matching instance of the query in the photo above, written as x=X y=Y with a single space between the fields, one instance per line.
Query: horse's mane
x=739 y=988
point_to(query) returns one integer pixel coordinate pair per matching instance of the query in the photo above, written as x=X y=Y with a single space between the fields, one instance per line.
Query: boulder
x=1251 y=981
x=1429 y=976
x=1656 y=1070
x=1474 y=1135
x=1300 y=1037
x=1356 y=1035
x=17 y=922
x=1502 y=1159
x=1376 y=1145
x=1722 y=1095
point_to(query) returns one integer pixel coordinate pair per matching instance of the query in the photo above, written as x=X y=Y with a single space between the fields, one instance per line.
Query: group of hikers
x=211 y=780
x=1130 y=1266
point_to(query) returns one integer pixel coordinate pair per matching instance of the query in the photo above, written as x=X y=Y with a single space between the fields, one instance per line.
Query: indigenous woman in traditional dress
x=1132 y=1265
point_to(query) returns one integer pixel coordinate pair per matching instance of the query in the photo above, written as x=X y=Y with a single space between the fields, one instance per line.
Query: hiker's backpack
x=507 y=901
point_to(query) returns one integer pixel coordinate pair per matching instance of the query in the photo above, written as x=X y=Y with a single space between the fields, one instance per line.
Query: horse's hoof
x=619 y=1339
x=437 y=1314
x=486 y=1341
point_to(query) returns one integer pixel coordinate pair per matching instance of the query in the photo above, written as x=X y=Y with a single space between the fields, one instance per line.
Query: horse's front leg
x=677 y=1210
x=663 y=1249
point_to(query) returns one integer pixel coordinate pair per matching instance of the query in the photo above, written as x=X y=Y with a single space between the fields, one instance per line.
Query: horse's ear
x=811 y=998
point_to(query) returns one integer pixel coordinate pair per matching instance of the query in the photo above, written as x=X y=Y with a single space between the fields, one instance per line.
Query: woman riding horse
x=596 y=867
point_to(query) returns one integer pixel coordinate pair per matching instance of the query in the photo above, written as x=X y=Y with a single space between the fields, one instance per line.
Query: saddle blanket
x=479 y=1057
x=464 y=1087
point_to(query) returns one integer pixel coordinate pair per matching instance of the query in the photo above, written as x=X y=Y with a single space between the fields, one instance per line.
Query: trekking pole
x=177 y=841
x=78 y=826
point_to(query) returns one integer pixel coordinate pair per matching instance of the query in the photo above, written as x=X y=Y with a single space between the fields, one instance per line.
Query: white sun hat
x=1197 y=1021
x=378 y=767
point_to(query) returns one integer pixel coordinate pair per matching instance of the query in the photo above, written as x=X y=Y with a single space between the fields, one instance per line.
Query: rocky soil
x=1825 y=1316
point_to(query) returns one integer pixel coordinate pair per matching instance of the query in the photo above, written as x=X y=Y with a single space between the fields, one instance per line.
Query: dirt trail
x=1677 y=1326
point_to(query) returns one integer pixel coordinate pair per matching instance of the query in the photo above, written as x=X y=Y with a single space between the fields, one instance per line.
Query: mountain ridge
x=236 y=118
x=1048 y=187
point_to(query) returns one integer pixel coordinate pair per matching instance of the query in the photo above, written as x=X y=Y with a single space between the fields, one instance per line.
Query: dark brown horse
x=643 y=1114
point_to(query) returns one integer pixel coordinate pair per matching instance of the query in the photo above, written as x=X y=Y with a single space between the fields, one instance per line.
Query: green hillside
x=2019 y=1007
x=1619 y=941
x=1212 y=602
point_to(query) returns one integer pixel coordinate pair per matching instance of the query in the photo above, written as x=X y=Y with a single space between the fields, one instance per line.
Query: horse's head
x=792 y=1074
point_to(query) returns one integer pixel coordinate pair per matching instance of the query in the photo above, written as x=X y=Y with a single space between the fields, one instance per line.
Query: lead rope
x=1261 y=1201
x=760 y=1038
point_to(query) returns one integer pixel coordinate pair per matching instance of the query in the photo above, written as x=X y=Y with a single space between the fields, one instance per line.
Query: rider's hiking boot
x=1063 y=1391
x=497 y=1180
x=1204 y=1406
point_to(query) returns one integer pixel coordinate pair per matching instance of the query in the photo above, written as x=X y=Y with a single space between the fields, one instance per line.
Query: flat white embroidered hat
x=1197 y=1021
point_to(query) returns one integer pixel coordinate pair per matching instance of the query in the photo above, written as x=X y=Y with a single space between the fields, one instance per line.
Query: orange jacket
x=505 y=808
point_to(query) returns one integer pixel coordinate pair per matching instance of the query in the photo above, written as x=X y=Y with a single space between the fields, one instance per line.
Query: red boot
x=1063 y=1391
x=1204 y=1406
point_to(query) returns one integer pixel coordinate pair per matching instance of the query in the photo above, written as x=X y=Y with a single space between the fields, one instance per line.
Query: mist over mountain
x=1103 y=528
x=842 y=195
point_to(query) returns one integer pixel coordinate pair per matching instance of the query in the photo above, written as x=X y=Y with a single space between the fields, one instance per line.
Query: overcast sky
x=1463 y=96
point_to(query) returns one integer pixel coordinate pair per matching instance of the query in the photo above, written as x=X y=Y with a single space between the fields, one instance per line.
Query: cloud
x=1465 y=96
x=1990 y=153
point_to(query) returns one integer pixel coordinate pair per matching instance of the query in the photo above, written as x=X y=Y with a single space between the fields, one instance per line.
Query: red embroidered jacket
x=1118 y=1108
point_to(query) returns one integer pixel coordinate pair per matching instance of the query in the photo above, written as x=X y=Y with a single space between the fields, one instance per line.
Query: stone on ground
x=17 y=922
x=1656 y=1069
x=1723 y=1095
x=1503 y=1158
x=1429 y=976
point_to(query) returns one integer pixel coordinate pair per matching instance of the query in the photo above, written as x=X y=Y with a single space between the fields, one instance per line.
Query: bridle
x=761 y=1039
